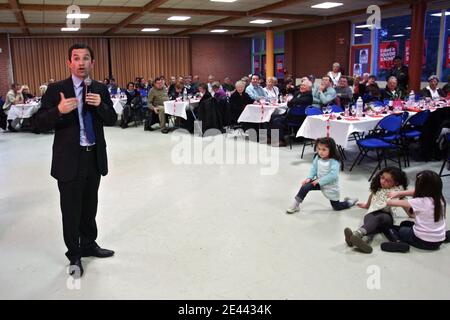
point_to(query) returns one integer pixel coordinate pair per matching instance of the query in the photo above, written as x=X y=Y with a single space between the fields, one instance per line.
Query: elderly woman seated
x=238 y=100
x=432 y=91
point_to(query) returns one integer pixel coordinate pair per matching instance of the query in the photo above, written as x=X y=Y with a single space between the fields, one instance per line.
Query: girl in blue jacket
x=324 y=176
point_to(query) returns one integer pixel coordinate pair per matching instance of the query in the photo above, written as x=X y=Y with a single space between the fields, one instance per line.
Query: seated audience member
x=343 y=91
x=219 y=94
x=133 y=106
x=195 y=84
x=289 y=88
x=112 y=87
x=254 y=90
x=208 y=110
x=400 y=72
x=271 y=90
x=171 y=88
x=106 y=82
x=373 y=93
x=26 y=93
x=324 y=94
x=446 y=88
x=302 y=99
x=42 y=89
x=391 y=92
x=335 y=74
x=227 y=85
x=131 y=92
x=238 y=101
x=156 y=98
x=211 y=79
x=178 y=92
x=432 y=91
x=14 y=96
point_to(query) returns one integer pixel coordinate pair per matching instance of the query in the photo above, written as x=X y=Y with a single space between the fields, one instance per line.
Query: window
x=392 y=40
x=446 y=54
x=259 y=54
x=432 y=28
x=361 y=35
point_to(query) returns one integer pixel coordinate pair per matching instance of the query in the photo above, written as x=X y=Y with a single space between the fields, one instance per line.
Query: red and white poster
x=388 y=50
x=407 y=52
x=279 y=66
x=448 y=52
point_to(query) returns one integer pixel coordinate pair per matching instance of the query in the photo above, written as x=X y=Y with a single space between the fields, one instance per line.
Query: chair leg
x=379 y=160
x=303 y=151
x=356 y=160
x=442 y=168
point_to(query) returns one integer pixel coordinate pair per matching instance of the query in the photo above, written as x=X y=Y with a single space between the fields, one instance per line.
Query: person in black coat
x=400 y=72
x=432 y=90
x=302 y=99
x=238 y=100
x=79 y=151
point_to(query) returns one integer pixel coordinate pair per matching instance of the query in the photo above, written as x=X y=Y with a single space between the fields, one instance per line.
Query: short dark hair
x=80 y=46
x=257 y=75
x=158 y=79
x=327 y=76
x=373 y=77
x=204 y=86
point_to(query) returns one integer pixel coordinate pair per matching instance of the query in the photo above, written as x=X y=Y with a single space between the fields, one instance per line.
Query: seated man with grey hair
x=323 y=94
x=432 y=91
x=392 y=92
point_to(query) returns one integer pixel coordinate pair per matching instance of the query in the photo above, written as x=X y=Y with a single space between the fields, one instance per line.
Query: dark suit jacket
x=427 y=93
x=66 y=144
x=304 y=99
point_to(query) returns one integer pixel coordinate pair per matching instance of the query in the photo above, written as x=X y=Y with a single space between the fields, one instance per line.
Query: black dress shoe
x=97 y=252
x=76 y=268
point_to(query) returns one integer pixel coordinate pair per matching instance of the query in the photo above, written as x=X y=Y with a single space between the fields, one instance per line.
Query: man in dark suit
x=77 y=109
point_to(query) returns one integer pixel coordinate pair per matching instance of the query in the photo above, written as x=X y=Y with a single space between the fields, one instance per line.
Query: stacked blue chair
x=388 y=126
x=412 y=130
x=294 y=121
x=447 y=159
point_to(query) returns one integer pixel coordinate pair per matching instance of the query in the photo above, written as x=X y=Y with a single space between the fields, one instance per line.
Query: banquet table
x=260 y=113
x=178 y=108
x=23 y=111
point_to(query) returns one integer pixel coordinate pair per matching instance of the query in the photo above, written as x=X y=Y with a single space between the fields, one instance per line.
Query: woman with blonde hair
x=335 y=73
x=271 y=89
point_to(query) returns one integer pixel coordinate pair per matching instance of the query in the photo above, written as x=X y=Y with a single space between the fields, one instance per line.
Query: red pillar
x=419 y=9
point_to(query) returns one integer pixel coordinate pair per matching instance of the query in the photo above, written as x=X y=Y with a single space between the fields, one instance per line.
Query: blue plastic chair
x=392 y=124
x=412 y=130
x=312 y=111
x=294 y=125
x=446 y=160
x=336 y=109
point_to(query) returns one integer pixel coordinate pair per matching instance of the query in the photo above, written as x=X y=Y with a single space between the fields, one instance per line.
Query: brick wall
x=4 y=64
x=314 y=50
x=220 y=56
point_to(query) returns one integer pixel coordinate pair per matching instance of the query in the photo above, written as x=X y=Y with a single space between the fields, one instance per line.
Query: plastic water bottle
x=359 y=107
x=411 y=99
x=119 y=93
x=185 y=94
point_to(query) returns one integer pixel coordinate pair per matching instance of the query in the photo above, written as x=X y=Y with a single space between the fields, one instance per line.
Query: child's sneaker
x=294 y=208
x=351 y=201
x=348 y=234
x=395 y=247
x=357 y=240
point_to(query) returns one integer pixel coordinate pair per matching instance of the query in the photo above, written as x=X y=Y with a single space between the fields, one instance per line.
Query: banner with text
x=388 y=50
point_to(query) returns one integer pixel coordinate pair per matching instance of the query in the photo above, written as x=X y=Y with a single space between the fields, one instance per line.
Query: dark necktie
x=87 y=119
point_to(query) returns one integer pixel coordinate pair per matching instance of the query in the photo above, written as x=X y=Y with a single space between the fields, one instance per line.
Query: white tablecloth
x=316 y=127
x=178 y=108
x=118 y=104
x=23 y=111
x=255 y=113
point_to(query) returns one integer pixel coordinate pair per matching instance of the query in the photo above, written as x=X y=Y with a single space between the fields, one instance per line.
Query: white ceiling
x=303 y=7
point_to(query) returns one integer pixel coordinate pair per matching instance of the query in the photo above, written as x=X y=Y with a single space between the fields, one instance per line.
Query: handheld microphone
x=87 y=84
